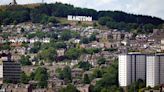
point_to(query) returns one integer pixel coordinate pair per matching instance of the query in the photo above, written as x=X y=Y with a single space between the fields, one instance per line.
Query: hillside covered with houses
x=60 y=55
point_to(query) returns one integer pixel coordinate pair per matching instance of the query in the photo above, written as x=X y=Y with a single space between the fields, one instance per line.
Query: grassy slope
x=4 y=7
x=62 y=20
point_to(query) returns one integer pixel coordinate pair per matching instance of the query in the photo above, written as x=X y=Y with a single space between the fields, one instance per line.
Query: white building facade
x=124 y=70
x=155 y=70
x=131 y=68
x=149 y=68
x=152 y=74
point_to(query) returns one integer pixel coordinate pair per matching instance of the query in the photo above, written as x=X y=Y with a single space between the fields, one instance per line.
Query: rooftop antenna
x=13 y=2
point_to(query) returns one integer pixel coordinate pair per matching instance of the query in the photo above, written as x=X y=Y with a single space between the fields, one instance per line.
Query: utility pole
x=14 y=2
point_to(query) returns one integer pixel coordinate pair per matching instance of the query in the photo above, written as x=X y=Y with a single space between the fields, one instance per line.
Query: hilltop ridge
x=40 y=13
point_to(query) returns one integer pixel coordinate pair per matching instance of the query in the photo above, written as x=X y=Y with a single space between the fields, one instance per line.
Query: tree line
x=46 y=12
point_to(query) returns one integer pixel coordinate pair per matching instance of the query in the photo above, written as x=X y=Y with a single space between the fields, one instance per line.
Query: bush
x=85 y=65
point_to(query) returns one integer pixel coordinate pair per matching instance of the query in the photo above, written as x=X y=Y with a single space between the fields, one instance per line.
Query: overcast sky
x=146 y=7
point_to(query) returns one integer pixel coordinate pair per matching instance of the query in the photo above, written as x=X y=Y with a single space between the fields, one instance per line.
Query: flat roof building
x=155 y=70
x=135 y=66
x=9 y=70
x=131 y=68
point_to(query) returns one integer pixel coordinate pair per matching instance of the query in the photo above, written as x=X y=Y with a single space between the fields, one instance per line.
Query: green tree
x=43 y=12
x=59 y=45
x=85 y=40
x=97 y=73
x=104 y=20
x=67 y=74
x=75 y=34
x=53 y=20
x=69 y=88
x=40 y=34
x=5 y=46
x=111 y=25
x=48 y=55
x=25 y=60
x=139 y=84
x=59 y=73
x=41 y=76
x=66 y=35
x=86 y=79
x=32 y=75
x=105 y=90
x=148 y=28
x=24 y=78
x=109 y=79
x=92 y=37
x=5 y=35
x=84 y=65
x=64 y=74
x=101 y=61
x=31 y=35
x=36 y=47
x=92 y=50
x=73 y=53
x=95 y=24
x=22 y=30
x=44 y=19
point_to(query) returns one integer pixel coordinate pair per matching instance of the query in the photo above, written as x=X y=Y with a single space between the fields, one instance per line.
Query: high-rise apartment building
x=155 y=70
x=131 y=68
x=134 y=66
x=9 y=70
